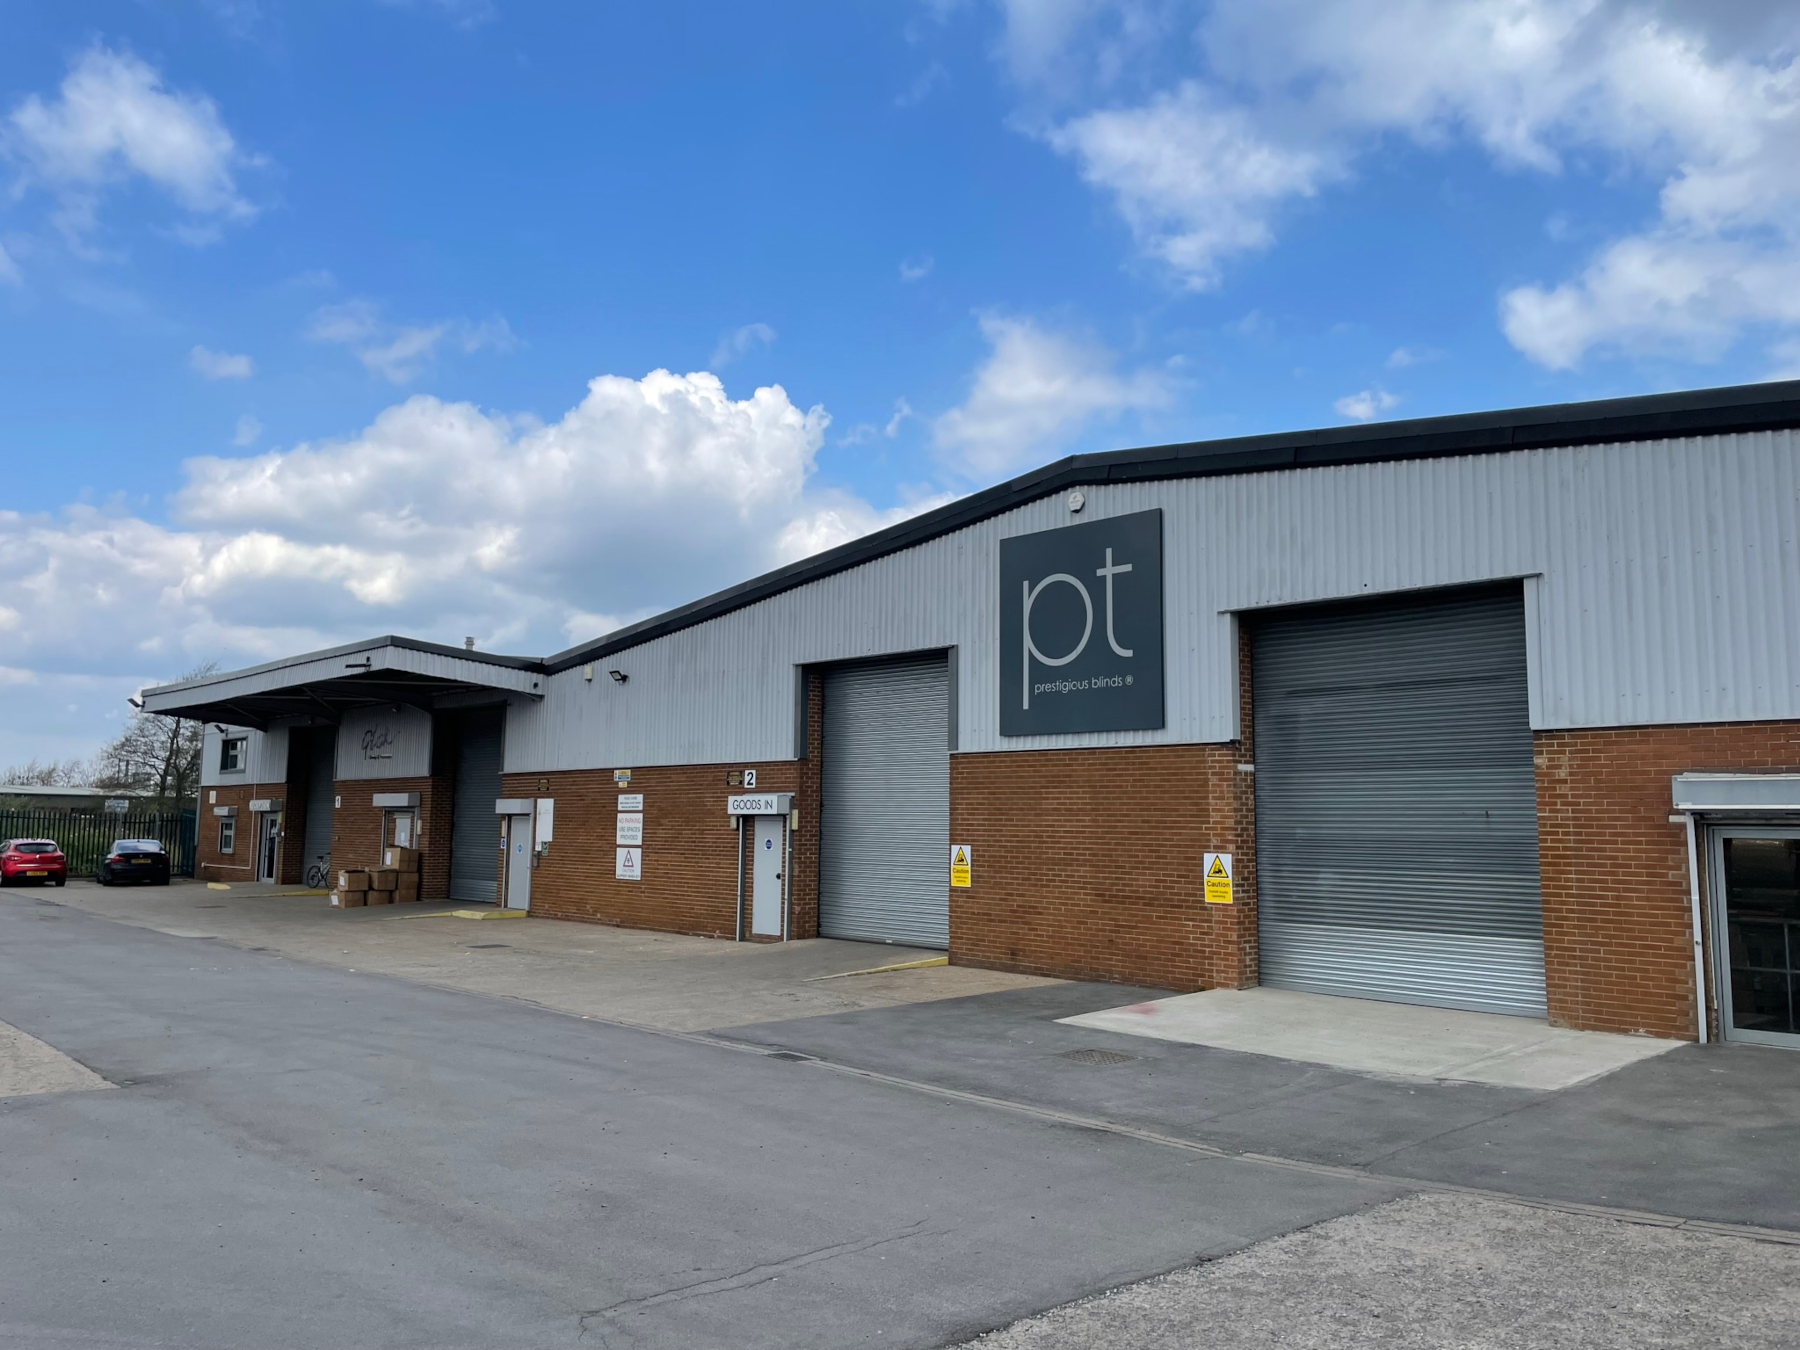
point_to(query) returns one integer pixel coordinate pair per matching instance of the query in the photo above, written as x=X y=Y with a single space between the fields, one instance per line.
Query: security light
x=618 y=676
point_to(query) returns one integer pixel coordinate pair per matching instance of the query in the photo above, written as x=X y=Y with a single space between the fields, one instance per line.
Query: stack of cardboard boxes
x=396 y=881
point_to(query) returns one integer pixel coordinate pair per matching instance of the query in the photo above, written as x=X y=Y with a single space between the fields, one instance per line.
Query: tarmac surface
x=302 y=1156
x=299 y=1153
x=1703 y=1132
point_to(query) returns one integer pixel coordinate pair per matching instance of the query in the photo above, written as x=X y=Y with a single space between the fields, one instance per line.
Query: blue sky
x=328 y=319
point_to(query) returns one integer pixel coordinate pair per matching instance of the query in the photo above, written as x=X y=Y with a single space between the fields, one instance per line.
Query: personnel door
x=518 y=862
x=1756 y=933
x=268 y=845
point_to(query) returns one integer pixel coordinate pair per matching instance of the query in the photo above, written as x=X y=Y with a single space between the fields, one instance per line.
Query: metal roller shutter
x=885 y=817
x=321 y=792
x=474 y=828
x=1396 y=809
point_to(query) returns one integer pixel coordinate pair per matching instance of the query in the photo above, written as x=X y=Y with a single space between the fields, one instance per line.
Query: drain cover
x=485 y=946
x=1097 y=1056
x=789 y=1055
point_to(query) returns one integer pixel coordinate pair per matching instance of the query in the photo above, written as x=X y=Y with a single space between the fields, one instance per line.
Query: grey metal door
x=885 y=814
x=1755 y=888
x=321 y=796
x=1396 y=806
x=518 y=861
x=474 y=857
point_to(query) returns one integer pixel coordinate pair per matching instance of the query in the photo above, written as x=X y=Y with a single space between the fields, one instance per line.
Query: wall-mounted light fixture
x=587 y=672
x=618 y=676
x=137 y=703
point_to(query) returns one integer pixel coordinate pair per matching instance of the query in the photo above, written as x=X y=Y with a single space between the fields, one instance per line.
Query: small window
x=227 y=834
x=231 y=754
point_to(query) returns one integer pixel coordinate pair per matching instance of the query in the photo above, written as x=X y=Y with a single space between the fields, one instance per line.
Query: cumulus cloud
x=1366 y=404
x=751 y=337
x=114 y=119
x=1038 y=389
x=400 y=353
x=213 y=365
x=440 y=519
x=917 y=269
x=1281 y=100
x=248 y=431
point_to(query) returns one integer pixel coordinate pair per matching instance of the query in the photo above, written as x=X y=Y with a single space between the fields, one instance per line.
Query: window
x=227 y=834
x=231 y=754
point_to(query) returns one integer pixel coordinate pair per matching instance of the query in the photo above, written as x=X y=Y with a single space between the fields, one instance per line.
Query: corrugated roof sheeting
x=1663 y=585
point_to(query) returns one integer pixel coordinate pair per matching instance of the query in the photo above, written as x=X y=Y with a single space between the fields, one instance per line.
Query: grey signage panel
x=1081 y=628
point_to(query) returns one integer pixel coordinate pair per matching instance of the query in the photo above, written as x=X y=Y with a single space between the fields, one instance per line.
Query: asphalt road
x=296 y=1155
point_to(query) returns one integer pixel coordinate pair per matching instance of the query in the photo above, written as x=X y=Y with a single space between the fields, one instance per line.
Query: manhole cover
x=487 y=946
x=1097 y=1056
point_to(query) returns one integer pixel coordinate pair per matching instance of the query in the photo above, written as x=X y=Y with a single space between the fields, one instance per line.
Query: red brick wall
x=1087 y=864
x=1618 y=942
x=690 y=854
x=356 y=828
x=240 y=864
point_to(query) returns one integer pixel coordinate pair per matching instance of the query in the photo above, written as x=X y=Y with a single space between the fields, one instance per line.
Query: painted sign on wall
x=1081 y=628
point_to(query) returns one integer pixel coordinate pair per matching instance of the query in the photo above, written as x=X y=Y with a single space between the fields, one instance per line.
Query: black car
x=134 y=860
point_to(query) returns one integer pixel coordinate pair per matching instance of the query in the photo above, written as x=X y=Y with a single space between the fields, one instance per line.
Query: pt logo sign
x=1081 y=628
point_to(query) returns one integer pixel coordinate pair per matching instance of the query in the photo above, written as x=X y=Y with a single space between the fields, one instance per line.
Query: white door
x=765 y=873
x=518 y=862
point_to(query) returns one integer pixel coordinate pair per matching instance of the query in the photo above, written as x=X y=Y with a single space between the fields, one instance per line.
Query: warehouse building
x=1497 y=711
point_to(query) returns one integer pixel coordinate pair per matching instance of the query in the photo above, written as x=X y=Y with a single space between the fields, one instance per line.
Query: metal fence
x=84 y=838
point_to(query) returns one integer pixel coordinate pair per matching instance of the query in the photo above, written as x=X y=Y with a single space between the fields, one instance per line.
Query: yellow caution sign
x=962 y=865
x=1218 y=878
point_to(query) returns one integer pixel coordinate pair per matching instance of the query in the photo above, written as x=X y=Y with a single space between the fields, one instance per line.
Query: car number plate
x=37 y=874
x=140 y=862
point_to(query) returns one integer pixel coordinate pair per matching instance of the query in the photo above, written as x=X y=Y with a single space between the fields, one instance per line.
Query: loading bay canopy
x=324 y=685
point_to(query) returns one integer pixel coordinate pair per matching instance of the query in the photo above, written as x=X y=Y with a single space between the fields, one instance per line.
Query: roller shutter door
x=474 y=828
x=1396 y=810
x=885 y=814
x=321 y=794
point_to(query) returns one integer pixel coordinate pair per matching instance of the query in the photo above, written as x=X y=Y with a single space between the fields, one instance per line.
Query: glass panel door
x=1756 y=909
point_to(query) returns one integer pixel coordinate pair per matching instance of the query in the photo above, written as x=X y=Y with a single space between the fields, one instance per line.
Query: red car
x=38 y=860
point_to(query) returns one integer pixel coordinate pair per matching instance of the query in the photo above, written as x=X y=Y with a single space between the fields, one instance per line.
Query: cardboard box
x=354 y=879
x=349 y=899
x=408 y=889
x=379 y=897
x=383 y=878
x=405 y=861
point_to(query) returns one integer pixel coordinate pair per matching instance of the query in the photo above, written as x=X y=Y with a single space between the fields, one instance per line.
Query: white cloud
x=917 y=269
x=922 y=86
x=248 y=431
x=400 y=353
x=1402 y=357
x=220 y=365
x=9 y=270
x=1281 y=99
x=751 y=337
x=1195 y=178
x=838 y=518
x=462 y=13
x=902 y=411
x=1366 y=404
x=439 y=519
x=1037 y=390
x=114 y=119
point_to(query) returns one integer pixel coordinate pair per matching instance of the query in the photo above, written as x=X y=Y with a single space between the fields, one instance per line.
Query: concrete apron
x=1388 y=1038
